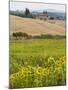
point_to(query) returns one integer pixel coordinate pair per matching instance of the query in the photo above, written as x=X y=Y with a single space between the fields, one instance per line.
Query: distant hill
x=36 y=27
x=58 y=15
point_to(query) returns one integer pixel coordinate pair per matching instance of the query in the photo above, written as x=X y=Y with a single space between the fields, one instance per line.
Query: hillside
x=36 y=27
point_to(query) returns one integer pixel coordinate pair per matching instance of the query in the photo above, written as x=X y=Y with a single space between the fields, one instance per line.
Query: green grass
x=38 y=47
x=31 y=54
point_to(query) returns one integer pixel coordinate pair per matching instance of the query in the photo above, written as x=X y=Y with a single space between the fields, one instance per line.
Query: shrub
x=51 y=18
x=20 y=35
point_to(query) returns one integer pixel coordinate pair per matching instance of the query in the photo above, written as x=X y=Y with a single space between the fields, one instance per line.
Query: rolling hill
x=36 y=27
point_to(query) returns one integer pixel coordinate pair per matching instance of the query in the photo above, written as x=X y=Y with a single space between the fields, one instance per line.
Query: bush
x=51 y=18
x=20 y=35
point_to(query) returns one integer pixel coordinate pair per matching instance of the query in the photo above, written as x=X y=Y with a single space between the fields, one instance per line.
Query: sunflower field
x=37 y=63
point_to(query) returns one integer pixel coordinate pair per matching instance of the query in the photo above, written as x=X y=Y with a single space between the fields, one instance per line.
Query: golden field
x=36 y=26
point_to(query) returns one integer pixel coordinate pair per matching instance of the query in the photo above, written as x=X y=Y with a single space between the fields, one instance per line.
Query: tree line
x=26 y=13
x=21 y=35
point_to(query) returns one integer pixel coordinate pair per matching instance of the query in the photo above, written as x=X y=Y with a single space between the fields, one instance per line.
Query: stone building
x=42 y=16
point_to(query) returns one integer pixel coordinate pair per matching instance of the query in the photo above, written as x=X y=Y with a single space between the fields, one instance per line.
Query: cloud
x=36 y=6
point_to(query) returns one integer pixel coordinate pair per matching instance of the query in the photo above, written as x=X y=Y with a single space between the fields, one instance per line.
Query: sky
x=37 y=6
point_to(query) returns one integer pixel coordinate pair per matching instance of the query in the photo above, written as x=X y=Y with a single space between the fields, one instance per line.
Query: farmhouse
x=42 y=16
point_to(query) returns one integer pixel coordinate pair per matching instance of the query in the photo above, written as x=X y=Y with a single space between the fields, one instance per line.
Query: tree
x=20 y=35
x=25 y=35
x=27 y=12
x=51 y=18
x=15 y=35
x=45 y=13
